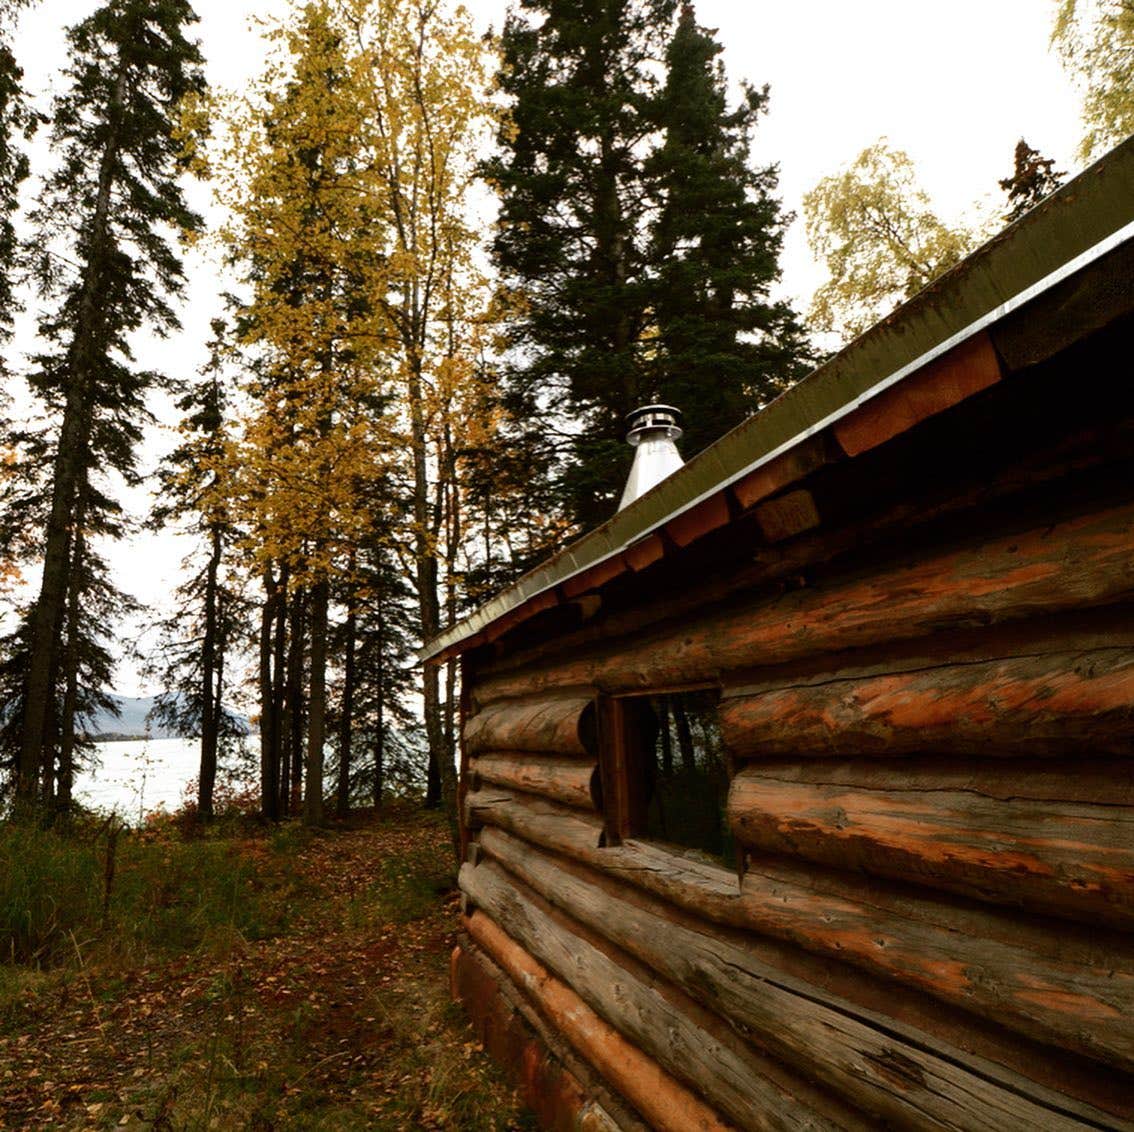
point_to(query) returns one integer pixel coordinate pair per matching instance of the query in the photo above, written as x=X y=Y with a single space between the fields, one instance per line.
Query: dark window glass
x=690 y=776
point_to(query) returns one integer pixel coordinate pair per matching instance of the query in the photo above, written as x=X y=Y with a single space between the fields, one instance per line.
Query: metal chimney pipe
x=653 y=430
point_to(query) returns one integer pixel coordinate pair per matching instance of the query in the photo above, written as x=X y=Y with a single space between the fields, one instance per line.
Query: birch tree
x=875 y=229
x=422 y=70
x=306 y=236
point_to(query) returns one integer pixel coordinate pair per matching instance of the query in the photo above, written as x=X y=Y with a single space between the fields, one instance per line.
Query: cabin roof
x=1089 y=217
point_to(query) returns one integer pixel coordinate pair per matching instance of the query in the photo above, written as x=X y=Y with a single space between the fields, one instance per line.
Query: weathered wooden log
x=730 y=1075
x=563 y=780
x=1038 y=705
x=727 y=973
x=561 y=1089
x=664 y=1102
x=1074 y=564
x=557 y=724
x=1007 y=838
x=1070 y=455
x=868 y=1061
x=1055 y=984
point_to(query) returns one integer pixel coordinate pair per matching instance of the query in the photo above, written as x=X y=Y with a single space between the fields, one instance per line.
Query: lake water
x=139 y=776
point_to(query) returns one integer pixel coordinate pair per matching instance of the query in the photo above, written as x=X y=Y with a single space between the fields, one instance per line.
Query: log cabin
x=799 y=794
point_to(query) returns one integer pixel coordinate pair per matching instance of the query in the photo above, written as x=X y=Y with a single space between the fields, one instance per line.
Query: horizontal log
x=561 y=725
x=562 y=1089
x=729 y=1076
x=866 y=1061
x=546 y=1084
x=563 y=780
x=664 y=1102
x=1074 y=564
x=722 y=969
x=1050 y=704
x=955 y=376
x=1006 y=838
x=1046 y=981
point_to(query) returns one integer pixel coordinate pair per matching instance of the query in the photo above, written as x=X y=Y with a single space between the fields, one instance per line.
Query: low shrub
x=129 y=891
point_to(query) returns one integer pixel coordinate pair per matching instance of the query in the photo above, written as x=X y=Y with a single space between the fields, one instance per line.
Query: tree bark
x=70 y=664
x=295 y=706
x=684 y=737
x=210 y=708
x=380 y=721
x=666 y=736
x=346 y=713
x=317 y=710
x=269 y=711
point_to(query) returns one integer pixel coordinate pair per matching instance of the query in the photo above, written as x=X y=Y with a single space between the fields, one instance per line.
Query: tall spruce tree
x=638 y=240
x=106 y=268
x=723 y=346
x=198 y=638
x=17 y=120
x=572 y=240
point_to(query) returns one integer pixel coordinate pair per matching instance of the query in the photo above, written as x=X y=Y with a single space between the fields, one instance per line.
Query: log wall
x=933 y=926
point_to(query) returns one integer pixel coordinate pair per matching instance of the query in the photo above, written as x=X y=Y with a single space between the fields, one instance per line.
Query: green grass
x=162 y=896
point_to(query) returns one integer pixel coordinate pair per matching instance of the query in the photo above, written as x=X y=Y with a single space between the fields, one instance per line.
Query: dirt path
x=339 y=1021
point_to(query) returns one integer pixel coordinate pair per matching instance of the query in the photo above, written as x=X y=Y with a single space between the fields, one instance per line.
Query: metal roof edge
x=1085 y=219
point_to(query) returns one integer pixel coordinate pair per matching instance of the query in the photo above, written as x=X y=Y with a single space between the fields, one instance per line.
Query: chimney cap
x=652 y=419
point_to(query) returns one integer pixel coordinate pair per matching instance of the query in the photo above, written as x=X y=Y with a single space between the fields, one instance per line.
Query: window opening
x=690 y=776
x=664 y=772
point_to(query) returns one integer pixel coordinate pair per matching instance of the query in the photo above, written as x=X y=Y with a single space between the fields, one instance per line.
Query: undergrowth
x=130 y=893
x=243 y=979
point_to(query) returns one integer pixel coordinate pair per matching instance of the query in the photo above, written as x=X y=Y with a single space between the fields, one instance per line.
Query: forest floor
x=332 y=1011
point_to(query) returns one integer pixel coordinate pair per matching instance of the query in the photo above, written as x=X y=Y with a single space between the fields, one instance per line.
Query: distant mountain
x=131 y=723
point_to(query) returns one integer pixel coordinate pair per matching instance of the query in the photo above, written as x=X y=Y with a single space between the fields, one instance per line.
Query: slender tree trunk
x=380 y=722
x=69 y=469
x=70 y=662
x=280 y=748
x=269 y=714
x=425 y=562
x=294 y=712
x=666 y=737
x=346 y=712
x=684 y=738
x=209 y=707
x=317 y=707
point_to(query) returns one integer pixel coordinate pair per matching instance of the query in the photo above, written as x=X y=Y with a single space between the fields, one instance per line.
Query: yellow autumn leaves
x=346 y=174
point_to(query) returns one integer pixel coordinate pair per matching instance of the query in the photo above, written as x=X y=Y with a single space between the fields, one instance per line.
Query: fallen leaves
x=341 y=1020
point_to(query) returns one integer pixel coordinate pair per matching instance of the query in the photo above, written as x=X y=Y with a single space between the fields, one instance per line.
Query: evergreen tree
x=638 y=241
x=1032 y=179
x=16 y=119
x=193 y=668
x=377 y=738
x=572 y=239
x=723 y=347
x=108 y=209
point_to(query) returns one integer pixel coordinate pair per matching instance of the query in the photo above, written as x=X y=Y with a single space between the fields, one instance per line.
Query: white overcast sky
x=955 y=85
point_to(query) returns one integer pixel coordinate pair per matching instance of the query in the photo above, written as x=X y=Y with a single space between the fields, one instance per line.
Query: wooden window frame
x=625 y=761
